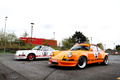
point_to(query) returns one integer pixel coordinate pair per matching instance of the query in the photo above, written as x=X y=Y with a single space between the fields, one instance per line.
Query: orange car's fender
x=79 y=54
x=104 y=54
x=56 y=53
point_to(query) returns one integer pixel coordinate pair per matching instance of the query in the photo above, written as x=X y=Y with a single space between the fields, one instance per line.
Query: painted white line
x=118 y=78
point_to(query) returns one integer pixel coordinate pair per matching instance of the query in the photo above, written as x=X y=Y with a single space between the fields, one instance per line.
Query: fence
x=113 y=52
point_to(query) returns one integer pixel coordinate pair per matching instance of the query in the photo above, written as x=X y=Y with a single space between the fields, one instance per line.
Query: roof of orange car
x=86 y=44
x=83 y=44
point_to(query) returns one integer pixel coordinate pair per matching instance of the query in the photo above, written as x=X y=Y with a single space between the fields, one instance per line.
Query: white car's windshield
x=37 y=48
x=80 y=47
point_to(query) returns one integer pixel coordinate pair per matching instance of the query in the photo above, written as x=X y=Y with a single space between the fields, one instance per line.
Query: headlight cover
x=70 y=55
x=23 y=54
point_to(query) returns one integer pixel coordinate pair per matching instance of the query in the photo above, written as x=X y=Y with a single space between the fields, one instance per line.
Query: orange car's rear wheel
x=82 y=62
x=105 y=62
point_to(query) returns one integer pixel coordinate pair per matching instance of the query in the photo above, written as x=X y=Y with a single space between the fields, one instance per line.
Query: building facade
x=39 y=41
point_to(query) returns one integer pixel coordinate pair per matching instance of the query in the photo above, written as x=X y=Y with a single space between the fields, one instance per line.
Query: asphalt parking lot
x=11 y=69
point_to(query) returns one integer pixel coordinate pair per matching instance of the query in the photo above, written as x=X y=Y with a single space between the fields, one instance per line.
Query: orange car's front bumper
x=62 y=63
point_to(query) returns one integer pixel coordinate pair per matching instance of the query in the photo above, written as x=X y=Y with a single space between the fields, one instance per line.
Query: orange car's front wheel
x=82 y=62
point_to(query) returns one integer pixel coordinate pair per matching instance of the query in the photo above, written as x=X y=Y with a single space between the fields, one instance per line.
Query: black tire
x=31 y=57
x=82 y=62
x=105 y=62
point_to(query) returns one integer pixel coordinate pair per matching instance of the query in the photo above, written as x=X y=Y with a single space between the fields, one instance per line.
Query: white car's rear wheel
x=82 y=62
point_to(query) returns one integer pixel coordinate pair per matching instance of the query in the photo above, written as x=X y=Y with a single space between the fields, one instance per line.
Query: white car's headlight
x=70 y=54
x=21 y=54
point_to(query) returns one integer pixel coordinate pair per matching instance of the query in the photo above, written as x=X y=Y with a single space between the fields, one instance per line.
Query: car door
x=93 y=54
x=45 y=51
x=37 y=51
x=50 y=51
x=100 y=52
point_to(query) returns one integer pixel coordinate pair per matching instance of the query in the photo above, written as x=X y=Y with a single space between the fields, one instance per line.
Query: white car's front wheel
x=31 y=57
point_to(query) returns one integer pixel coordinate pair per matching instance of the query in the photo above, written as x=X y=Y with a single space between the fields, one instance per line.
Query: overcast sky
x=99 y=19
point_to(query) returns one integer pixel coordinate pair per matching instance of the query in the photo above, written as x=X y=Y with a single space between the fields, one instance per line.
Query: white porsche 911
x=37 y=52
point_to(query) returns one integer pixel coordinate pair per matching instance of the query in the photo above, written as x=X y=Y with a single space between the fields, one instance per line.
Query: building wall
x=39 y=41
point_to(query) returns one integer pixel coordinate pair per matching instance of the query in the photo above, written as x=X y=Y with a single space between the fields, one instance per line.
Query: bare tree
x=11 y=37
x=2 y=38
x=25 y=34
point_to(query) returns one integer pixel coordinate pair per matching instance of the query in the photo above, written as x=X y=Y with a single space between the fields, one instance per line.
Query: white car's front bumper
x=20 y=57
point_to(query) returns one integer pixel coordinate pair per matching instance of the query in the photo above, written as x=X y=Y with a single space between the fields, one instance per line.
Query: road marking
x=118 y=78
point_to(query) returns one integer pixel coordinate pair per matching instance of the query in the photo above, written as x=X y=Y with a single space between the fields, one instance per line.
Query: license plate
x=54 y=60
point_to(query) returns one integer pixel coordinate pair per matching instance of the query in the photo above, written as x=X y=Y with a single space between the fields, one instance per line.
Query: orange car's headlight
x=70 y=55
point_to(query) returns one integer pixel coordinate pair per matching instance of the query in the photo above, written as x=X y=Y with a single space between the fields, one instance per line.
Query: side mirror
x=91 y=49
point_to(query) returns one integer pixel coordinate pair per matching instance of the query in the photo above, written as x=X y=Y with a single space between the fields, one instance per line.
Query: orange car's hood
x=61 y=55
x=64 y=54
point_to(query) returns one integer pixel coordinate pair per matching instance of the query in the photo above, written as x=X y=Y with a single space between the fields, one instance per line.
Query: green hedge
x=12 y=50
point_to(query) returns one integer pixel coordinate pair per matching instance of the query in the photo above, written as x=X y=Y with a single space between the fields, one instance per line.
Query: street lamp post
x=5 y=34
x=91 y=40
x=54 y=35
x=104 y=46
x=31 y=33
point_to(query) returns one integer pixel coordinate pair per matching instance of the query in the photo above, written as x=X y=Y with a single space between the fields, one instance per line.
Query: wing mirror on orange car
x=91 y=49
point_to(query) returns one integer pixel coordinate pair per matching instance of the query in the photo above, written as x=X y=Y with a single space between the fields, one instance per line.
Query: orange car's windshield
x=80 y=47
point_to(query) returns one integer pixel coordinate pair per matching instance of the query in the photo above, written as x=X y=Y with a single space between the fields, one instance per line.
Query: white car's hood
x=25 y=51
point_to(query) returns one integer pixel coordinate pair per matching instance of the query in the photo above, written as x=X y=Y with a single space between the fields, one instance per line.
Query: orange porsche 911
x=79 y=55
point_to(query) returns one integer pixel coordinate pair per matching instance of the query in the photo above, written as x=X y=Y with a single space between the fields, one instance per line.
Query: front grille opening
x=68 y=59
x=55 y=63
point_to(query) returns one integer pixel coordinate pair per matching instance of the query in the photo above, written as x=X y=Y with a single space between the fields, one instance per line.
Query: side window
x=51 y=49
x=99 y=49
x=45 y=49
x=94 y=48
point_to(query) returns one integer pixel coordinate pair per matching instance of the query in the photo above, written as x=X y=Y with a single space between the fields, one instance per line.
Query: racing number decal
x=95 y=51
x=45 y=53
x=95 y=54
